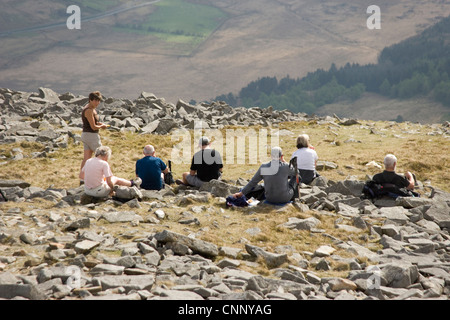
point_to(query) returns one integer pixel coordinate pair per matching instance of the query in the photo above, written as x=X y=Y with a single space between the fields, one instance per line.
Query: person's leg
x=121 y=182
x=87 y=155
x=101 y=191
x=91 y=141
x=183 y=179
x=185 y=174
x=194 y=181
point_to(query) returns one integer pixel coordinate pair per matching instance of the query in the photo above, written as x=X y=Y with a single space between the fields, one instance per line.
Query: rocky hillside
x=56 y=243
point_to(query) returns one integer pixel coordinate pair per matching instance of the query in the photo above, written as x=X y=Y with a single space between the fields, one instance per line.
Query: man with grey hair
x=99 y=180
x=279 y=179
x=389 y=176
x=151 y=169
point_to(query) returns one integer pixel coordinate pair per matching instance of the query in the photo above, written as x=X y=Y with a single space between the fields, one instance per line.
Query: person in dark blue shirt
x=151 y=170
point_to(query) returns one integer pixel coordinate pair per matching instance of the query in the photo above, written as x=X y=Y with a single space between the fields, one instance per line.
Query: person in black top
x=91 y=126
x=206 y=165
x=391 y=177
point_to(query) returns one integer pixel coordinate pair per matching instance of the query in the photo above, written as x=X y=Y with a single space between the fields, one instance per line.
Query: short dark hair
x=96 y=95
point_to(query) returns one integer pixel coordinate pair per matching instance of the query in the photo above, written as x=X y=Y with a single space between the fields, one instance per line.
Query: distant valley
x=229 y=44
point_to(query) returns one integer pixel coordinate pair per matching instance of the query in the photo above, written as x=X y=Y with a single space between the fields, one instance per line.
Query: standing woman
x=91 y=125
x=306 y=159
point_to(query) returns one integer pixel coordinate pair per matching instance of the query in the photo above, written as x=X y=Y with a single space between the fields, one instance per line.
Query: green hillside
x=416 y=67
x=177 y=21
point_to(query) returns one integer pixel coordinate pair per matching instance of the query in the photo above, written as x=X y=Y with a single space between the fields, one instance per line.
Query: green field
x=94 y=6
x=178 y=22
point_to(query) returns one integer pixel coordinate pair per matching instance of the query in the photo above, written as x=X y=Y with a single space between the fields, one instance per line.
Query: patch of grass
x=177 y=22
x=95 y=6
x=423 y=154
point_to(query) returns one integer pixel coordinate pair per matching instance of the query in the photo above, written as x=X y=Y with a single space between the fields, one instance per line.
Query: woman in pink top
x=98 y=178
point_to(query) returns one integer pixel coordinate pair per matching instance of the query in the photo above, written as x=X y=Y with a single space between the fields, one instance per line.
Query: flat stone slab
x=139 y=282
x=198 y=246
x=324 y=251
x=117 y=217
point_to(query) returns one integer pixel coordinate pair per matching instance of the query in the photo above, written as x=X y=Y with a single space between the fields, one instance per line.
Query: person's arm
x=250 y=185
x=82 y=173
x=110 y=183
x=166 y=170
x=136 y=169
x=90 y=117
x=410 y=178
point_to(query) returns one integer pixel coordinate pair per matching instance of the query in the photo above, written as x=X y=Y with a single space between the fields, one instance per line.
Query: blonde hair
x=303 y=141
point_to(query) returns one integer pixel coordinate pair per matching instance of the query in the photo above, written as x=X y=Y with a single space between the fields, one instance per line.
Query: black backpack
x=168 y=177
x=374 y=190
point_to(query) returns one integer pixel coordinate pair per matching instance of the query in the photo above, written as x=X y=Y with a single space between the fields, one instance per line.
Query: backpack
x=236 y=202
x=374 y=190
x=394 y=192
x=168 y=177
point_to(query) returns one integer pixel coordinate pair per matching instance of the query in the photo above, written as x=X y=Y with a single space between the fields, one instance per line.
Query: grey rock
x=10 y=291
x=395 y=214
x=14 y=183
x=196 y=245
x=78 y=224
x=400 y=275
x=302 y=224
x=109 y=269
x=324 y=251
x=229 y=252
x=439 y=213
x=347 y=187
x=118 y=217
x=49 y=95
x=346 y=210
x=272 y=260
x=410 y=202
x=219 y=188
x=85 y=246
x=178 y=295
x=129 y=283
x=152 y=258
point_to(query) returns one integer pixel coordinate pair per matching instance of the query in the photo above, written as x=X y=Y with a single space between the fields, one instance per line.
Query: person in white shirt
x=99 y=180
x=306 y=159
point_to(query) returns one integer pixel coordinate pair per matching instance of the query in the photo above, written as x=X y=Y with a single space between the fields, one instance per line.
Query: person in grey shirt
x=279 y=179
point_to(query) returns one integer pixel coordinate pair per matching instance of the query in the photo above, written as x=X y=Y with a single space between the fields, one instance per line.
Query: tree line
x=417 y=66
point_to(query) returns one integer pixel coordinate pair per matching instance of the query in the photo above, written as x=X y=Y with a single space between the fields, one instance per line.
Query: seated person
x=306 y=159
x=151 y=170
x=98 y=178
x=206 y=165
x=389 y=176
x=279 y=179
